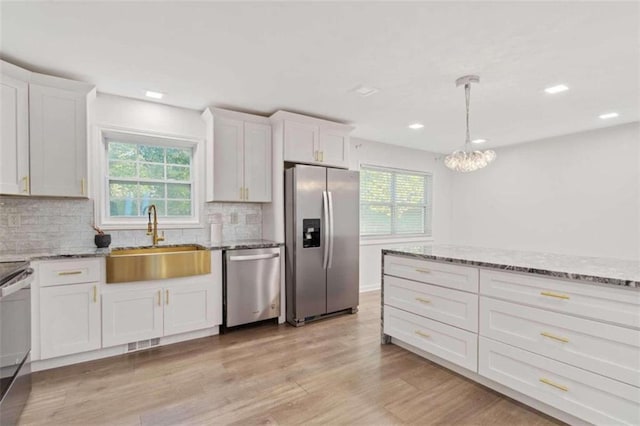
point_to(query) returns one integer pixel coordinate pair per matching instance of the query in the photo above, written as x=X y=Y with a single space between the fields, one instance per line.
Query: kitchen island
x=559 y=333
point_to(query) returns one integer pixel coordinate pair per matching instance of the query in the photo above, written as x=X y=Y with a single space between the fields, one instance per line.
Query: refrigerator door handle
x=330 y=230
x=325 y=208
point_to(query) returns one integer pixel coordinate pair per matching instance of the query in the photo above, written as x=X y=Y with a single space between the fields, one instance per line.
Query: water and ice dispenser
x=310 y=233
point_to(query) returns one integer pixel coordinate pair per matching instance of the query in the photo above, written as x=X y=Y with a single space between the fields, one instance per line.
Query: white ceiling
x=306 y=57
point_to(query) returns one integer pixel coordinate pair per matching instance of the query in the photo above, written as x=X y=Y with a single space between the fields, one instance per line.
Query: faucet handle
x=161 y=237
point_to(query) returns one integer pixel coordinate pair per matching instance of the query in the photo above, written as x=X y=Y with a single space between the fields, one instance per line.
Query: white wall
x=575 y=194
x=380 y=154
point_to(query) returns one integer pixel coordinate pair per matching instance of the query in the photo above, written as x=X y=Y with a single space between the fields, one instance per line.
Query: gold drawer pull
x=167 y=293
x=420 y=299
x=556 y=295
x=551 y=336
x=95 y=294
x=555 y=385
x=70 y=273
x=25 y=180
x=422 y=270
x=159 y=297
x=421 y=334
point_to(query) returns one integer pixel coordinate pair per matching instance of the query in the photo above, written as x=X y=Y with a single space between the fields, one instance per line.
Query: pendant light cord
x=467 y=93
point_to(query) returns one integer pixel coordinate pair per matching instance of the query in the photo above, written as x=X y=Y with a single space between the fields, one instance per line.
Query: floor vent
x=142 y=344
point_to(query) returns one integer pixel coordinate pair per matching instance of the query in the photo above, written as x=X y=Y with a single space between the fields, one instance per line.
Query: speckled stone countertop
x=599 y=270
x=246 y=244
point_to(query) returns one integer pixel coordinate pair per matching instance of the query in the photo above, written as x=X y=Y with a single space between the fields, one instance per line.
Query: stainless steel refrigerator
x=322 y=232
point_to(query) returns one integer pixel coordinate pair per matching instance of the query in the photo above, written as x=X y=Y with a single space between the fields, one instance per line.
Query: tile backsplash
x=37 y=225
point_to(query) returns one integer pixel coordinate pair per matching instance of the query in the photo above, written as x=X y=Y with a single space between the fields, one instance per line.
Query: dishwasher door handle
x=254 y=257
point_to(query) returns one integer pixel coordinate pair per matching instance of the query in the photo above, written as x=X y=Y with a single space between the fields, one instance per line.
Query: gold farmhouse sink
x=157 y=263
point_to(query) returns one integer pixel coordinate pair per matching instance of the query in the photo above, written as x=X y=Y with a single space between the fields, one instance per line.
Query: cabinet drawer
x=443 y=274
x=74 y=271
x=585 y=395
x=616 y=305
x=450 y=343
x=606 y=349
x=442 y=304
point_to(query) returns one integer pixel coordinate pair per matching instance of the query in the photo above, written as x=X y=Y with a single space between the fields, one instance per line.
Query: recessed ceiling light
x=478 y=141
x=609 y=115
x=365 y=91
x=154 y=95
x=416 y=126
x=556 y=89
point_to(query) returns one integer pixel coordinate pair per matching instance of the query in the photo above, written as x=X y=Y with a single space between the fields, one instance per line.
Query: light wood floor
x=329 y=372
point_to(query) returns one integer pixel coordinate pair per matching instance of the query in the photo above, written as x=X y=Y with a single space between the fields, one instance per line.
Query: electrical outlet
x=14 y=221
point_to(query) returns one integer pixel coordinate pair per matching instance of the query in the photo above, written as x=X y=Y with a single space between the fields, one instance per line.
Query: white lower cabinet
x=69 y=319
x=131 y=315
x=588 y=396
x=188 y=307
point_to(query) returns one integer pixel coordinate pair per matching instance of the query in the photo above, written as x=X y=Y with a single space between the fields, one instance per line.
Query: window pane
x=122 y=151
x=179 y=191
x=178 y=208
x=178 y=156
x=126 y=207
x=410 y=220
x=123 y=169
x=409 y=189
x=154 y=154
x=151 y=190
x=178 y=173
x=375 y=186
x=160 y=206
x=123 y=190
x=152 y=171
x=375 y=219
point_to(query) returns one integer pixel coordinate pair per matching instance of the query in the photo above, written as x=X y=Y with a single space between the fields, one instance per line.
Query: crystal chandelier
x=466 y=160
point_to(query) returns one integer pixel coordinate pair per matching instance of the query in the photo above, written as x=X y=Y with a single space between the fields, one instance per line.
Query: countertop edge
x=611 y=282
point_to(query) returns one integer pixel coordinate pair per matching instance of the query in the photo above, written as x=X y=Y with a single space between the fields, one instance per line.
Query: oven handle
x=18 y=283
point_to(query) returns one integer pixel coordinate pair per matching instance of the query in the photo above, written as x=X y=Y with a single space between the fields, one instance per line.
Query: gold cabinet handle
x=423 y=270
x=167 y=297
x=95 y=294
x=241 y=193
x=322 y=156
x=246 y=194
x=555 y=385
x=159 y=297
x=420 y=299
x=70 y=273
x=556 y=295
x=25 y=181
x=82 y=189
x=421 y=334
x=558 y=338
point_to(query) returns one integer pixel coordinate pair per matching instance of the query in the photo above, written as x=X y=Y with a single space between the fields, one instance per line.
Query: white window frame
x=428 y=196
x=101 y=181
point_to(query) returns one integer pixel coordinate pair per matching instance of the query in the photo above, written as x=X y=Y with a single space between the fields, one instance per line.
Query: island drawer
x=605 y=349
x=585 y=395
x=452 y=307
x=447 y=275
x=604 y=303
x=72 y=271
x=450 y=343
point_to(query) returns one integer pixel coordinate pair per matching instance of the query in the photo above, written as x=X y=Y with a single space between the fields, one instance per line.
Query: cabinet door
x=257 y=162
x=334 y=148
x=189 y=307
x=227 y=159
x=69 y=319
x=131 y=315
x=58 y=141
x=14 y=134
x=300 y=142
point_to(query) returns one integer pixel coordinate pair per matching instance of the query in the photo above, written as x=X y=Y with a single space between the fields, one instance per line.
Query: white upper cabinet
x=239 y=161
x=14 y=136
x=311 y=140
x=44 y=134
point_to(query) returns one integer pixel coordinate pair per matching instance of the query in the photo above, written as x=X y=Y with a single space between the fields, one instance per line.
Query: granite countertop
x=618 y=272
x=100 y=252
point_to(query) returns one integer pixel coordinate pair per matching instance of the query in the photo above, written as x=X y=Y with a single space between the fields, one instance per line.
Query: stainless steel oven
x=15 y=339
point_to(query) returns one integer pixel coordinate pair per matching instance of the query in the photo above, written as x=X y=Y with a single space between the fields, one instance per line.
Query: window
x=394 y=202
x=144 y=171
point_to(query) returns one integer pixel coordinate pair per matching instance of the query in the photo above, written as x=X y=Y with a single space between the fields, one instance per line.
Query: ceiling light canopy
x=466 y=160
x=154 y=95
x=609 y=115
x=416 y=126
x=556 y=89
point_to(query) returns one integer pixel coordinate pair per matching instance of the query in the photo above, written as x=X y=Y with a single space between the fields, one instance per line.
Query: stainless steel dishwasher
x=252 y=285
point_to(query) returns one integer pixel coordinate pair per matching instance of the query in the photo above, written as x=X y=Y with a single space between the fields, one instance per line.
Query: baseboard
x=370 y=287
